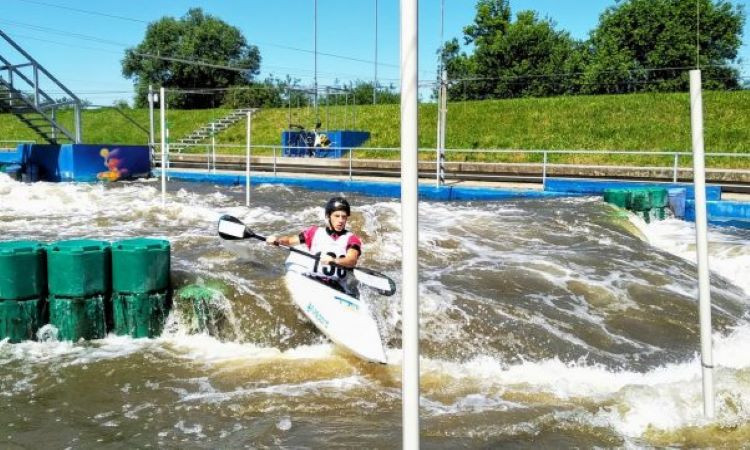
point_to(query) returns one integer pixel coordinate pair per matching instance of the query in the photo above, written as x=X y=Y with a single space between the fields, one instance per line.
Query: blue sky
x=81 y=42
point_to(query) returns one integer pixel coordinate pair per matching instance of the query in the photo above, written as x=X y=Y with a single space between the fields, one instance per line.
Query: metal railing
x=536 y=170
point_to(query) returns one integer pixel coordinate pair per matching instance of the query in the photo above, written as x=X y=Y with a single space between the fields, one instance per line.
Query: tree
x=525 y=57
x=648 y=45
x=266 y=94
x=459 y=66
x=191 y=53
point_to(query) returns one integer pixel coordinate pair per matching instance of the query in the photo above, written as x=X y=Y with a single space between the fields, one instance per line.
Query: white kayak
x=344 y=319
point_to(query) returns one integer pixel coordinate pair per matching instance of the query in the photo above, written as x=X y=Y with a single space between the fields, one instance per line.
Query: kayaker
x=334 y=243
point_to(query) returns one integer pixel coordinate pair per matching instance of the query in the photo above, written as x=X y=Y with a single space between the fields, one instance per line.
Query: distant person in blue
x=333 y=243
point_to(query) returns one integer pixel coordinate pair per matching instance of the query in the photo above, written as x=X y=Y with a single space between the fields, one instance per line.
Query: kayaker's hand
x=272 y=240
x=327 y=259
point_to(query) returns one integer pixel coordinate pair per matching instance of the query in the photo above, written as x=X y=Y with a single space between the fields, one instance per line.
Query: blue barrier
x=719 y=212
x=370 y=188
x=82 y=162
x=12 y=156
x=301 y=143
x=677 y=198
x=722 y=213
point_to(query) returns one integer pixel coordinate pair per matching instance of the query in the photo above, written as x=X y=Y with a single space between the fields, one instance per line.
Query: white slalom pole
x=701 y=237
x=213 y=147
x=248 y=137
x=409 y=224
x=163 y=120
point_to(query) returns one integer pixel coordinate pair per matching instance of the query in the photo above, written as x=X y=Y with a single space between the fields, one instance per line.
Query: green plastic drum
x=140 y=315
x=20 y=320
x=78 y=268
x=640 y=200
x=140 y=265
x=659 y=213
x=78 y=318
x=23 y=270
x=617 y=197
x=659 y=197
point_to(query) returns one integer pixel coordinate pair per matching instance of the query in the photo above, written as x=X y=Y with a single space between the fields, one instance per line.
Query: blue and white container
x=677 y=198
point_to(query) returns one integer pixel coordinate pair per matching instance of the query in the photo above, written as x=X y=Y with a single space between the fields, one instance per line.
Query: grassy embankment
x=624 y=122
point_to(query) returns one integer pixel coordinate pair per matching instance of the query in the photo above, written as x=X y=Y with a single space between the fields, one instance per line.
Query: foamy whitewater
x=552 y=322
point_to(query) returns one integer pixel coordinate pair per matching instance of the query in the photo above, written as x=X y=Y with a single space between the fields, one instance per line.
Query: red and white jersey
x=321 y=241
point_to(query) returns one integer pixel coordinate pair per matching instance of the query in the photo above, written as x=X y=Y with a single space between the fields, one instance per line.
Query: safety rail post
x=351 y=151
x=675 y=169
x=289 y=98
x=208 y=158
x=77 y=122
x=213 y=145
x=544 y=169
x=167 y=151
x=54 y=119
x=36 y=85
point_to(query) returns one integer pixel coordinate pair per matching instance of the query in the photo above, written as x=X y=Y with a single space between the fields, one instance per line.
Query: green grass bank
x=655 y=122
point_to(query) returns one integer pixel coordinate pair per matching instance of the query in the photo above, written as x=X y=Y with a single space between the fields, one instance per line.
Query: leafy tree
x=648 y=45
x=267 y=94
x=121 y=104
x=459 y=66
x=187 y=53
x=359 y=93
x=525 y=57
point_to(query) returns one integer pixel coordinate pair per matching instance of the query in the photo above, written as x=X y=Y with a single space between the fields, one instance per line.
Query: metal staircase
x=201 y=134
x=22 y=95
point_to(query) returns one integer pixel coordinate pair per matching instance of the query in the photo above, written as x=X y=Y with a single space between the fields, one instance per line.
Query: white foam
x=665 y=398
x=729 y=254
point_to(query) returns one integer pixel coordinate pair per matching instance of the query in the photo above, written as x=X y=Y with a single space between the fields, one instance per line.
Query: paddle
x=232 y=228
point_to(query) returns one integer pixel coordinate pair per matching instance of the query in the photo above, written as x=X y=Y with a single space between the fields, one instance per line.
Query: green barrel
x=640 y=200
x=78 y=268
x=659 y=213
x=140 y=315
x=23 y=270
x=617 y=197
x=202 y=310
x=20 y=319
x=659 y=197
x=78 y=318
x=140 y=266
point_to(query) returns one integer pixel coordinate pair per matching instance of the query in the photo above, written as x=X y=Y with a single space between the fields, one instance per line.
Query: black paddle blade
x=232 y=228
x=375 y=280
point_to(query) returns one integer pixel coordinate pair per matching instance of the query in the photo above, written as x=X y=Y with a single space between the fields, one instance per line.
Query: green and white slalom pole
x=163 y=120
x=701 y=232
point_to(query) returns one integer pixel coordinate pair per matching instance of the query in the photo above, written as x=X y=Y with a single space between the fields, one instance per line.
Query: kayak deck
x=344 y=319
